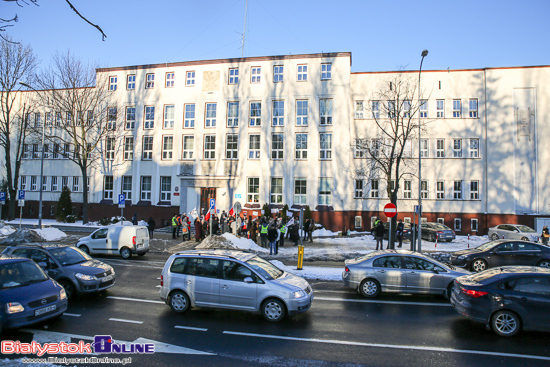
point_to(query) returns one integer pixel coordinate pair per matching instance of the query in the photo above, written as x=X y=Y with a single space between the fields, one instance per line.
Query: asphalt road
x=341 y=329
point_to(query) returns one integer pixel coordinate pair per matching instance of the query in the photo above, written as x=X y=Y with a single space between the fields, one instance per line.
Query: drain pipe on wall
x=486 y=149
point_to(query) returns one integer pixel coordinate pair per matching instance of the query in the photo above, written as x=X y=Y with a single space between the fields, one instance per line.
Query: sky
x=381 y=35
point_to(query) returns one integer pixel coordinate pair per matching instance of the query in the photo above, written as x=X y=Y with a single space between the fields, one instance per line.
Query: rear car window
x=535 y=285
x=388 y=262
x=202 y=267
x=142 y=232
x=178 y=265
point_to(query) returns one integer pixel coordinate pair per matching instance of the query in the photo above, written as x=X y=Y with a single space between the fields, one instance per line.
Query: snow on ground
x=50 y=234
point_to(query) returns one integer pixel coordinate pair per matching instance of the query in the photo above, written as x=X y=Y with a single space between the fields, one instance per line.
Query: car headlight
x=14 y=307
x=299 y=294
x=461 y=257
x=62 y=294
x=85 y=276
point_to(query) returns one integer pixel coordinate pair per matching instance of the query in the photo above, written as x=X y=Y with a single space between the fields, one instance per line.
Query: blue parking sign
x=121 y=199
x=21 y=195
x=212 y=203
x=2 y=197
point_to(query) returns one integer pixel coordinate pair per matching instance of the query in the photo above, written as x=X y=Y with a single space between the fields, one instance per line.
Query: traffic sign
x=237 y=207
x=212 y=203
x=21 y=195
x=390 y=210
x=121 y=201
x=2 y=198
x=21 y=203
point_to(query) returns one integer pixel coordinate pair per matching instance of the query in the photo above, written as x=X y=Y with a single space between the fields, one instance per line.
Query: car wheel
x=494 y=236
x=369 y=288
x=125 y=253
x=179 y=302
x=432 y=237
x=450 y=290
x=505 y=323
x=273 y=310
x=84 y=248
x=524 y=238
x=544 y=263
x=479 y=265
x=69 y=288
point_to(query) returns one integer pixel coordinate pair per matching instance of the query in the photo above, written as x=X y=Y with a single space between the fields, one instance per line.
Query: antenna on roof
x=244 y=28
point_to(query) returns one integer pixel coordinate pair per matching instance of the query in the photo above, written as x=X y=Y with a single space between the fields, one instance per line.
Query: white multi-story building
x=283 y=130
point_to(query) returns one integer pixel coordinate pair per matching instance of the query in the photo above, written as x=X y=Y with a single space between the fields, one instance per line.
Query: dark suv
x=75 y=270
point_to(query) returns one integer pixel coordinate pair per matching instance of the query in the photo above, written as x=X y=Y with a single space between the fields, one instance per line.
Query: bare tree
x=394 y=106
x=84 y=116
x=17 y=62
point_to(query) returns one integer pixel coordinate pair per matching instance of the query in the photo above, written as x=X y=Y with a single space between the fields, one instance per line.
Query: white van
x=126 y=240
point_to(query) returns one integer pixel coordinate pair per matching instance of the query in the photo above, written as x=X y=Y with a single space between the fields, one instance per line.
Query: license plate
x=107 y=278
x=44 y=310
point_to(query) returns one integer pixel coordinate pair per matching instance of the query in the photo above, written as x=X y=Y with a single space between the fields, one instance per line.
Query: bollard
x=436 y=237
x=468 y=240
x=300 y=257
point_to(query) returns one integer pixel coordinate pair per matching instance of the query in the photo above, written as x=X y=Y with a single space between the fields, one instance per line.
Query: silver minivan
x=233 y=280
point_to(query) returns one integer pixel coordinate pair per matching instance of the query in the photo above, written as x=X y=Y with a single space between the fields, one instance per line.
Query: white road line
x=135 y=300
x=128 y=321
x=71 y=314
x=189 y=328
x=396 y=346
x=386 y=302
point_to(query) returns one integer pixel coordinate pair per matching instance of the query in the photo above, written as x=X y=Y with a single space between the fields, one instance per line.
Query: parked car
x=27 y=294
x=232 y=280
x=501 y=253
x=432 y=231
x=513 y=232
x=506 y=299
x=399 y=271
x=407 y=230
x=118 y=239
x=75 y=270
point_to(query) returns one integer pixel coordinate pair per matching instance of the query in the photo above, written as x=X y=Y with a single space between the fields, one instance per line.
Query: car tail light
x=346 y=269
x=161 y=281
x=134 y=240
x=474 y=293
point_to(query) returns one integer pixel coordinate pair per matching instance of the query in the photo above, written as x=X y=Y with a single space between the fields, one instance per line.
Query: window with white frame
x=90 y=117
x=440 y=148
x=474 y=190
x=190 y=78
x=424 y=189
x=458 y=224
x=253 y=190
x=300 y=191
x=64 y=182
x=406 y=109
x=35 y=151
x=58 y=119
x=165 y=188
x=67 y=149
x=109 y=148
x=37 y=119
x=278 y=113
x=276 y=191
x=457 y=190
x=112 y=83
x=55 y=186
x=231 y=146
x=277 y=146
x=255 y=113
x=302 y=73
x=457 y=148
x=360 y=148
x=325 y=111
x=325 y=144
x=358 y=193
x=375 y=147
x=188 y=147
x=210 y=119
x=473 y=108
x=391 y=109
x=46 y=151
x=127 y=187
x=474 y=225
x=256 y=75
x=130 y=118
x=232 y=114
x=234 y=76
x=210 y=147
x=128 y=148
x=302 y=111
x=76 y=184
x=424 y=108
x=359 y=110
x=301 y=146
x=147 y=148
x=169 y=113
x=254 y=146
x=424 y=152
x=407 y=189
x=474 y=148
x=26 y=152
x=131 y=81
x=278 y=74
x=440 y=108
x=56 y=151
x=23 y=182
x=189 y=120
x=111 y=118
x=457 y=108
x=325 y=191
x=326 y=71
x=374 y=186
x=108 y=185
x=440 y=190
x=149 y=81
x=45 y=183
x=375 y=107
x=149 y=122
x=441 y=221
x=167 y=146
x=170 y=77
x=146 y=188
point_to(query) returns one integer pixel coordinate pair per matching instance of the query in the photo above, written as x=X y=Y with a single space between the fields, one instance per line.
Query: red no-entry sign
x=390 y=210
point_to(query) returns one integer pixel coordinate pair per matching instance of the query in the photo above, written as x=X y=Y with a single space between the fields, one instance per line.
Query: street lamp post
x=41 y=164
x=424 y=54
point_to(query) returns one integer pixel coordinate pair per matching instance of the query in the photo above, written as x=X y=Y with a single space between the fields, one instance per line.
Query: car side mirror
x=436 y=271
x=248 y=280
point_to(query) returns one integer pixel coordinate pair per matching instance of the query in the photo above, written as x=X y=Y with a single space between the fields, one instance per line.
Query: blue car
x=27 y=294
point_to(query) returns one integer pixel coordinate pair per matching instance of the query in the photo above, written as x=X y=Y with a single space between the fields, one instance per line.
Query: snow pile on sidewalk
x=5 y=229
x=50 y=234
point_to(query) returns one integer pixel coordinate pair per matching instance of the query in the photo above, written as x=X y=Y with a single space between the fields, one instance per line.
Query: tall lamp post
x=424 y=54
x=41 y=164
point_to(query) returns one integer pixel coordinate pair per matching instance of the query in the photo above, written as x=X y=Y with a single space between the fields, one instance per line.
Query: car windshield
x=20 y=274
x=525 y=229
x=69 y=255
x=265 y=268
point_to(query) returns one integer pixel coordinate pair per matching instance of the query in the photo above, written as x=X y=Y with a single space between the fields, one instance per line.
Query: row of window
x=457 y=223
x=232 y=77
x=429 y=148
x=389 y=109
x=371 y=189
x=52 y=183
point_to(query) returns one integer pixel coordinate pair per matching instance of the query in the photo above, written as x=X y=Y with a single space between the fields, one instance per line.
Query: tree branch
x=87 y=21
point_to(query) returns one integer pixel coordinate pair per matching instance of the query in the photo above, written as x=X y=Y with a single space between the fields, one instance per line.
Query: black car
x=407 y=230
x=502 y=253
x=432 y=231
x=506 y=299
x=75 y=270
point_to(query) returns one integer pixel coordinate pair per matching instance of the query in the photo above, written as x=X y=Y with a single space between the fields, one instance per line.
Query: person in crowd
x=306 y=229
x=215 y=225
x=151 y=226
x=179 y=225
x=310 y=230
x=295 y=233
x=174 y=226
x=263 y=232
x=254 y=231
x=399 y=232
x=185 y=229
x=205 y=229
x=198 y=230
x=272 y=234
x=135 y=219
x=282 y=229
x=379 y=234
x=545 y=235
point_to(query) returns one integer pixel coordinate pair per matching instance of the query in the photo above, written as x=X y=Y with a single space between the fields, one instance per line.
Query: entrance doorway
x=207 y=193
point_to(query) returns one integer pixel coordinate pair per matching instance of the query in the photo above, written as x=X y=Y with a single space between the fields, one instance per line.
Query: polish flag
x=207 y=216
x=231 y=211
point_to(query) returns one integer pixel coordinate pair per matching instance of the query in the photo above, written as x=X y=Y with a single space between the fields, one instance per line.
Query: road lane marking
x=190 y=328
x=128 y=321
x=135 y=299
x=391 y=346
x=386 y=302
x=71 y=314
